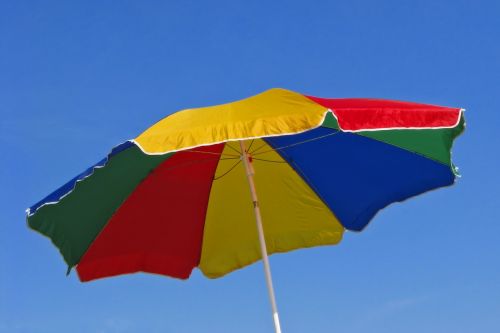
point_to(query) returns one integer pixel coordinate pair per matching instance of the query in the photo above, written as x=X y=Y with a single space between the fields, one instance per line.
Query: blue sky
x=79 y=77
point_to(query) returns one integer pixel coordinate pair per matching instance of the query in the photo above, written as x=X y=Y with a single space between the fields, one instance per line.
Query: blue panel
x=357 y=176
x=69 y=186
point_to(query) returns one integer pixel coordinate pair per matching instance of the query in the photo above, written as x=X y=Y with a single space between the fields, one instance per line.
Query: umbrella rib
x=188 y=163
x=236 y=150
x=295 y=144
x=234 y=157
x=228 y=171
x=264 y=160
x=230 y=158
x=210 y=153
x=251 y=143
x=196 y=162
x=257 y=149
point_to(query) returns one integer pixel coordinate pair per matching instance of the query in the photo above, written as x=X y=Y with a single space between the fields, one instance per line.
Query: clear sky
x=79 y=77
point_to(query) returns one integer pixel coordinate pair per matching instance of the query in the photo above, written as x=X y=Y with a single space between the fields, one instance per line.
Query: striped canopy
x=176 y=197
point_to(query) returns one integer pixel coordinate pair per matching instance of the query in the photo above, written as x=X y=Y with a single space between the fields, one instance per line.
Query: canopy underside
x=169 y=213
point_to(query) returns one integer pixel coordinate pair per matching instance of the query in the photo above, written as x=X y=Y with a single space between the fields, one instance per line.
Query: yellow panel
x=293 y=216
x=273 y=112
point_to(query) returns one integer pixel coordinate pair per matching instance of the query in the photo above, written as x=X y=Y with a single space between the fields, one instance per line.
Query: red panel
x=159 y=228
x=356 y=114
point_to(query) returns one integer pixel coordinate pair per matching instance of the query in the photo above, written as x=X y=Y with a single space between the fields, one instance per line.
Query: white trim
x=234 y=139
x=29 y=213
x=28 y=210
x=298 y=132
x=399 y=128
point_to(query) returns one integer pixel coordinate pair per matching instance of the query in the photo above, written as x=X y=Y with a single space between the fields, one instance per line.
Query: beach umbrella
x=224 y=186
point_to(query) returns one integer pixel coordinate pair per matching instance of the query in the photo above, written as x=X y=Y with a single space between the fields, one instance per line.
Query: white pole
x=250 y=172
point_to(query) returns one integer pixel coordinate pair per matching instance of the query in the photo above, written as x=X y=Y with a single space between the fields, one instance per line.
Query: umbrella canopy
x=176 y=197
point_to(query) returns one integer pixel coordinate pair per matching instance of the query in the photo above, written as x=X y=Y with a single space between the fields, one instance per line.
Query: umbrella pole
x=267 y=268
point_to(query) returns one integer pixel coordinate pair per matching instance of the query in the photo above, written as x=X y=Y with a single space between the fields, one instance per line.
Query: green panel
x=432 y=143
x=330 y=121
x=75 y=221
